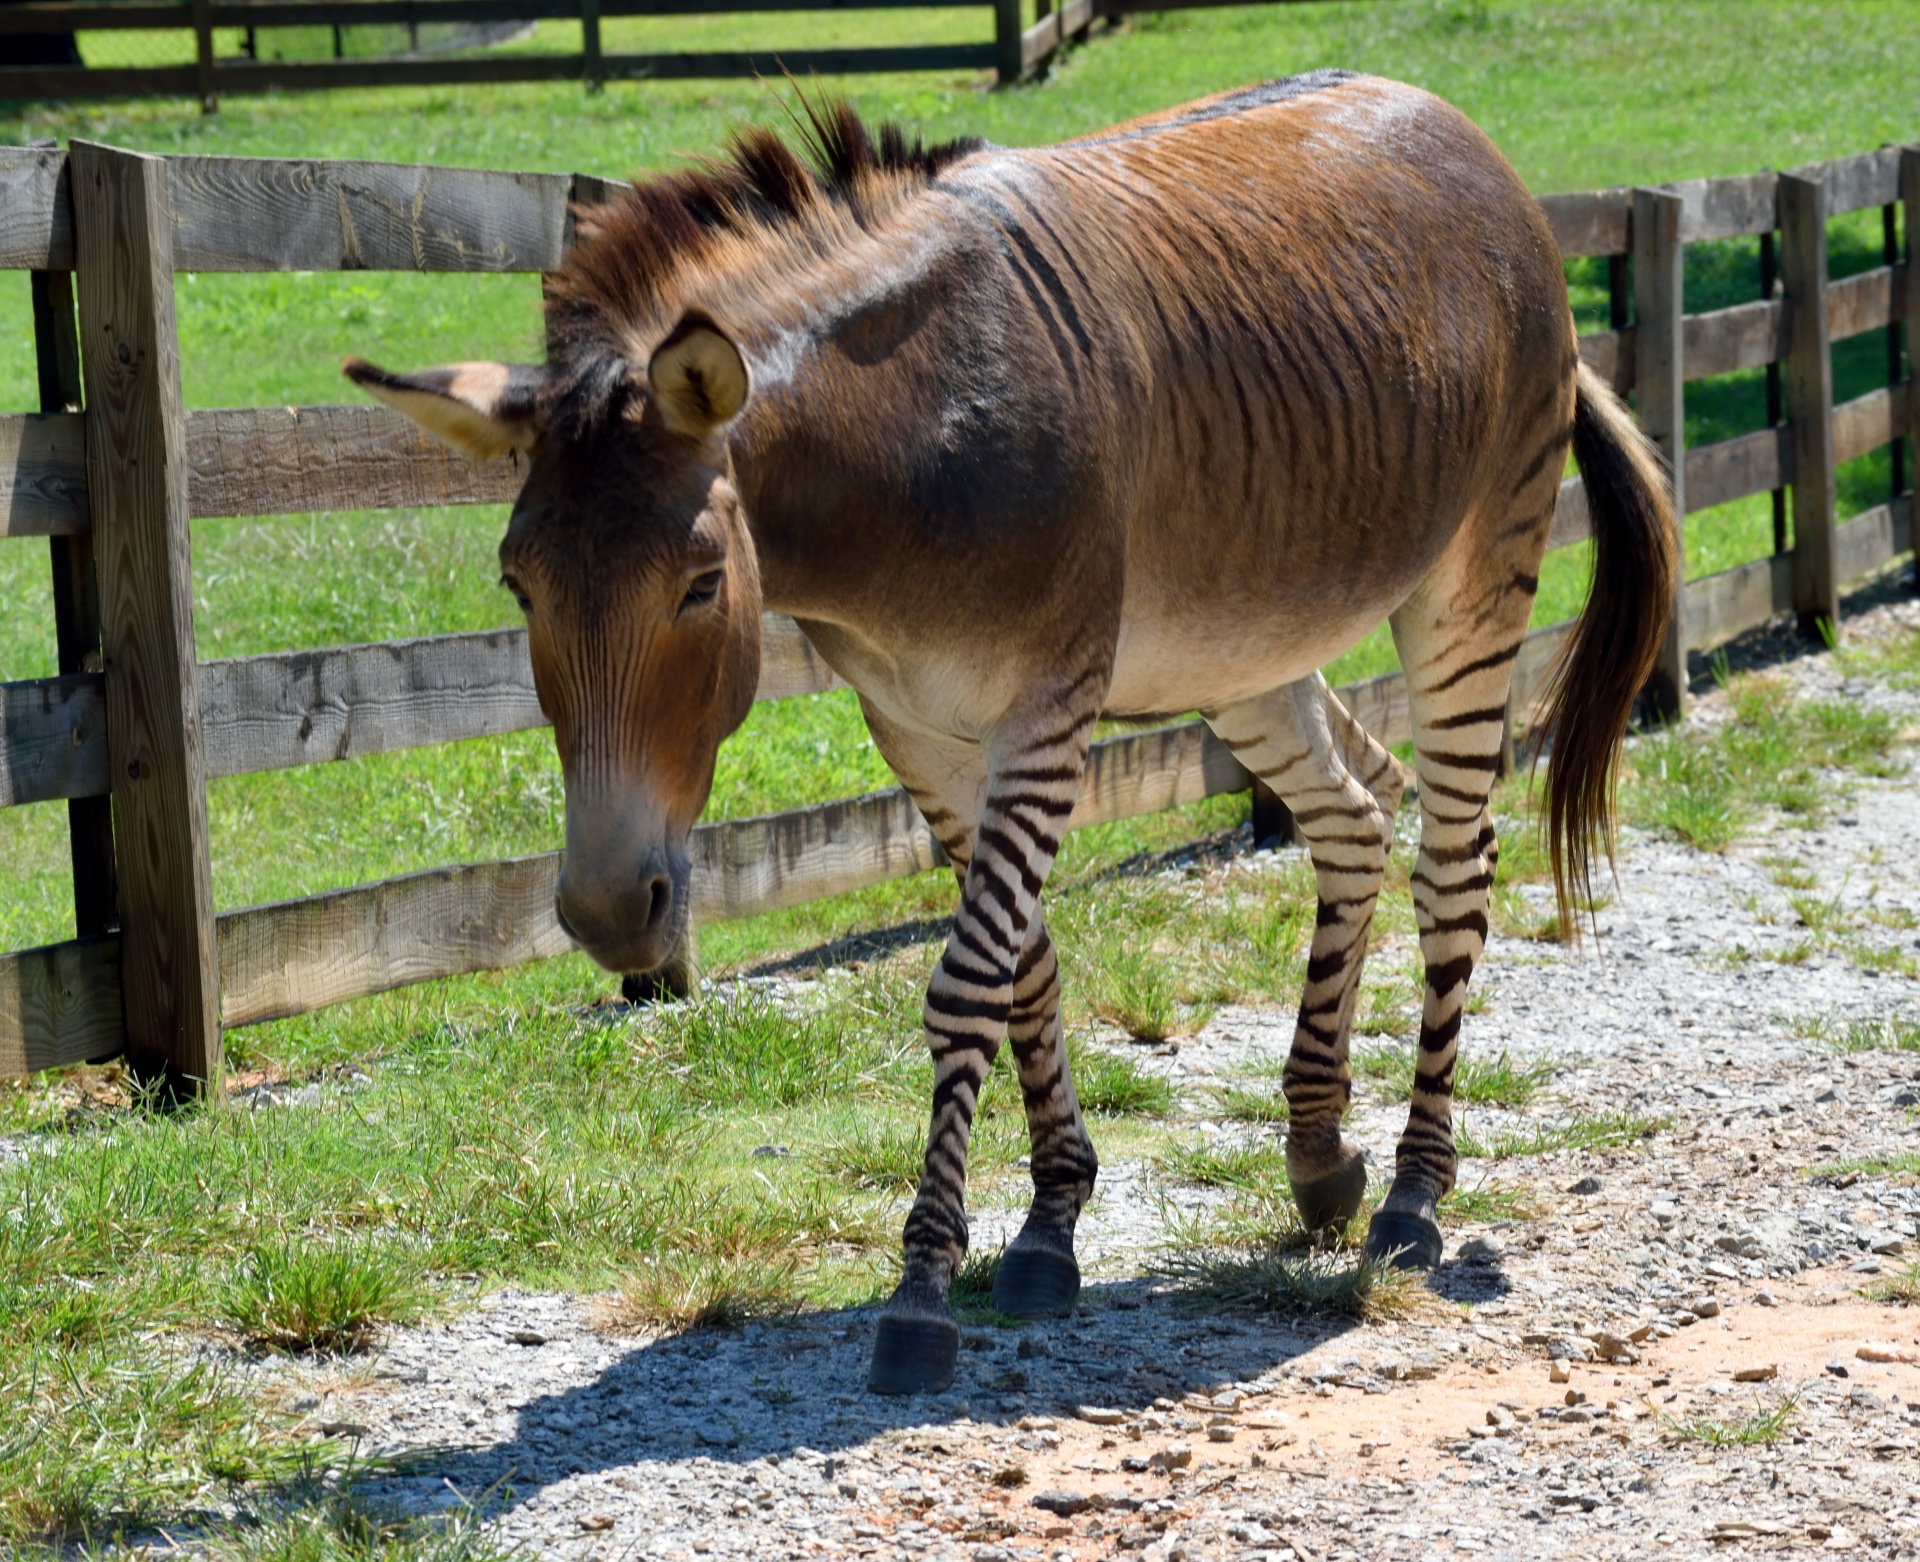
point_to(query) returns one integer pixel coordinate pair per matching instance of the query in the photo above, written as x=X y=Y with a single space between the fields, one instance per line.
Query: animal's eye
x=525 y=601
x=702 y=589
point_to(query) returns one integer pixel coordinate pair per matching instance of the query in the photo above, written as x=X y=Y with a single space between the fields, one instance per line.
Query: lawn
x=511 y=1127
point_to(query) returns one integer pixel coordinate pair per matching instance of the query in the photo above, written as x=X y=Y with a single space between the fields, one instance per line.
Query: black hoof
x=913 y=1355
x=1404 y=1240
x=1334 y=1199
x=1036 y=1283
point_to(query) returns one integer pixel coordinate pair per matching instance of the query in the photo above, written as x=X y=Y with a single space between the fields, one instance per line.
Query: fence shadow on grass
x=780 y=1388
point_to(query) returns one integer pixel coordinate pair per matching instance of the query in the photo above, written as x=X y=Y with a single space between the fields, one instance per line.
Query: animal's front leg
x=1033 y=779
x=1038 y=1277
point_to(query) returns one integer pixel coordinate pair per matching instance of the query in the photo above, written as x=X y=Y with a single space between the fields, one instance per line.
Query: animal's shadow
x=799 y=1385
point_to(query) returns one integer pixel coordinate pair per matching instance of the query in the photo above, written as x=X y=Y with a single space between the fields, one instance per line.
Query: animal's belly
x=1165 y=666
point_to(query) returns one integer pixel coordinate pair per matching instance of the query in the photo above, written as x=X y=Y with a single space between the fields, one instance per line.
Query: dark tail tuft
x=1613 y=646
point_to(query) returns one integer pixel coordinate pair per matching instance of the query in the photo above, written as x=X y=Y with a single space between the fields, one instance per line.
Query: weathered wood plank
x=1660 y=399
x=1610 y=355
x=1591 y=222
x=301 y=214
x=137 y=479
x=1732 y=602
x=1743 y=337
x=1870 y=421
x=60 y=1005
x=1872 y=538
x=36 y=210
x=1864 y=179
x=1809 y=375
x=1910 y=215
x=1729 y=469
x=1572 y=521
x=278 y=460
x=43 y=475
x=304 y=954
x=53 y=739
x=1724 y=208
x=1866 y=300
x=1148 y=772
x=1380 y=705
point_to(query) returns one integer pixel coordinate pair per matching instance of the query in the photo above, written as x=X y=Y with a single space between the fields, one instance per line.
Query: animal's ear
x=697 y=378
x=482 y=409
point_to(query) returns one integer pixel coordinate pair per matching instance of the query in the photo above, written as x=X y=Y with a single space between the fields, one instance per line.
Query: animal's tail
x=1613 y=645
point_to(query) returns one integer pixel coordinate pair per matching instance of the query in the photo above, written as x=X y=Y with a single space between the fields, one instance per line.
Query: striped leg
x=1034 y=767
x=1343 y=789
x=1038 y=1276
x=1459 y=644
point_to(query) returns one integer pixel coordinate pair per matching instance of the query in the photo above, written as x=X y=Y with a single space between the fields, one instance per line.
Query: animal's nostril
x=659 y=901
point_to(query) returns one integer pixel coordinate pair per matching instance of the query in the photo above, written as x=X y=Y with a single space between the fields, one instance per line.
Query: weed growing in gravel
x=299 y=1295
x=1110 y=1085
x=1901 y=1288
x=704 y=1291
x=1476 y=1081
x=1774 y=752
x=1602 y=1131
x=1261 y=1166
x=1488 y=1205
x=1763 y=1426
x=1896 y=1032
x=1276 y=1279
x=875 y=1154
x=1252 y=1106
x=318 y=1523
x=1903 y=1166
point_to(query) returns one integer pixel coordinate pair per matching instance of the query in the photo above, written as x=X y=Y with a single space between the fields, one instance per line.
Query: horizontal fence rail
x=65 y=1002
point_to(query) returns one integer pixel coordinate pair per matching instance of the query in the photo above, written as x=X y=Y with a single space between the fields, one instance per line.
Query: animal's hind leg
x=1343 y=789
x=1457 y=639
x=1038 y=1276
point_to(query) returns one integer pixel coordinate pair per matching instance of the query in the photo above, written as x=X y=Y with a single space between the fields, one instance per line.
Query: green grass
x=1488 y=1205
x=1476 y=1081
x=1602 y=1131
x=1775 y=753
x=1904 y=1167
x=510 y=1130
x=1901 y=1288
x=1257 y=1167
x=1763 y=1426
x=1889 y=1032
x=1277 y=1279
x=294 y=1295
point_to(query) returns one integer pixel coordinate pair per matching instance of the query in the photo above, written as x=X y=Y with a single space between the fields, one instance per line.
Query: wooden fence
x=1013 y=53
x=113 y=469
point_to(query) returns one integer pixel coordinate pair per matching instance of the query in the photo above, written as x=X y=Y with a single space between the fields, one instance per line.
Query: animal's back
x=1307 y=321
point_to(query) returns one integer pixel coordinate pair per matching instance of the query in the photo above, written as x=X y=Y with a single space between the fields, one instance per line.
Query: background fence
x=229 y=51
x=113 y=469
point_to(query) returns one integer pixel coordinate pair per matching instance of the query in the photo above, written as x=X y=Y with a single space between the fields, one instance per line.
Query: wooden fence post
x=1008 y=41
x=591 y=67
x=203 y=56
x=1803 y=271
x=1659 y=389
x=137 y=490
x=76 y=603
x=1910 y=204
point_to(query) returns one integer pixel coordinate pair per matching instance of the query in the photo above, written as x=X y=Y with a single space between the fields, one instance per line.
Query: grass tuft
x=338 y=1525
x=1488 y=1205
x=1476 y=1082
x=1763 y=1426
x=1902 y=1288
x=321 y=1296
x=1109 y=1085
x=1275 y=1279
x=1253 y=1106
x=687 y=1292
x=1604 y=1131
x=1260 y=1167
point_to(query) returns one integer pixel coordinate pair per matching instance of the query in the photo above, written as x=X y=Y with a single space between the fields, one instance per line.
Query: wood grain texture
x=1742 y=598
x=1910 y=215
x=1865 y=179
x=1724 y=208
x=299 y=214
x=1870 y=421
x=1809 y=388
x=1610 y=355
x=299 y=955
x=1572 y=520
x=1745 y=336
x=53 y=739
x=36 y=210
x=1594 y=222
x=1660 y=400
x=1872 y=538
x=1865 y=301
x=59 y=1005
x=137 y=481
x=1755 y=463
x=43 y=475
x=281 y=460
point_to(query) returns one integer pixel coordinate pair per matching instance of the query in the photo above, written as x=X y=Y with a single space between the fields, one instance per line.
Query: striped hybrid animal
x=1161 y=419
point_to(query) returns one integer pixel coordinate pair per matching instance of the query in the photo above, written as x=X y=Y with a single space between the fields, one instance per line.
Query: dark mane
x=627 y=254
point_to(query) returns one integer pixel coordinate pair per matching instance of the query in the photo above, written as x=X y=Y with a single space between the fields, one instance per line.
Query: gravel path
x=1526 y=1408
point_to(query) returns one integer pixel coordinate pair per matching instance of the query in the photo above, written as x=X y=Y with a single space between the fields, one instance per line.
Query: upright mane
x=762 y=202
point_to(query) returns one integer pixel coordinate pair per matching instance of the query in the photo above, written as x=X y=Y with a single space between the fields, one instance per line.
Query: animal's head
x=629 y=555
